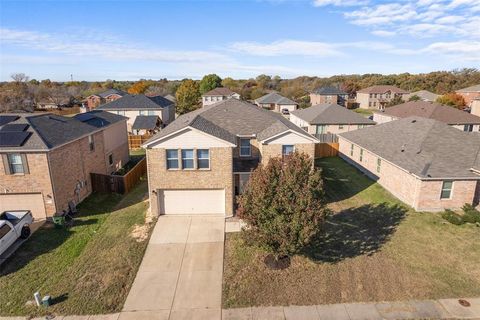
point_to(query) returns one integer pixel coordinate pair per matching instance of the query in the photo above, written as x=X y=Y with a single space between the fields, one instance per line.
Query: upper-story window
x=245 y=148
x=142 y=112
x=371 y=95
x=468 y=127
x=151 y=112
x=361 y=155
x=203 y=159
x=351 y=150
x=91 y=143
x=287 y=149
x=15 y=163
x=340 y=127
x=172 y=159
x=121 y=112
x=447 y=187
x=187 y=159
x=379 y=165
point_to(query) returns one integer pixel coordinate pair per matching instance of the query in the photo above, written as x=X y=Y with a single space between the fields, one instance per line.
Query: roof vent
x=413 y=121
x=403 y=147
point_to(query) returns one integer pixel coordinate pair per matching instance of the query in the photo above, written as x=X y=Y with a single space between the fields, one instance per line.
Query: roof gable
x=276 y=98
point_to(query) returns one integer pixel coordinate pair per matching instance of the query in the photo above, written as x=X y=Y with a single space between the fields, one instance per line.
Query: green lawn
x=87 y=269
x=374 y=248
x=364 y=112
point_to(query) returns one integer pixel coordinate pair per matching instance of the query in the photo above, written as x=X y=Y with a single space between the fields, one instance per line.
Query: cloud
x=460 y=50
x=384 y=33
x=286 y=48
x=382 y=14
x=339 y=3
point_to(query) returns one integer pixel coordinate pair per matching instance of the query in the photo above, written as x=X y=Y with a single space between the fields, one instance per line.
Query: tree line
x=22 y=93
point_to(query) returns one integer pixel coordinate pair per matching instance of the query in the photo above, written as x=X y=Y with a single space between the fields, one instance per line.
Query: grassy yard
x=373 y=249
x=87 y=269
x=364 y=112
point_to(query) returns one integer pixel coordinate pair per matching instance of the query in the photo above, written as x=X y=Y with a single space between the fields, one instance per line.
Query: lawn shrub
x=452 y=217
x=471 y=215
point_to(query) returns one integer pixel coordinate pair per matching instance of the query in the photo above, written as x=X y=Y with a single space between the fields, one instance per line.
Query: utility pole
x=71 y=77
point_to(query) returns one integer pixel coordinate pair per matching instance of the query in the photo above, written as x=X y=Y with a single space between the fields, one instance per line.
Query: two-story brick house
x=198 y=163
x=377 y=97
x=218 y=94
x=330 y=95
x=425 y=163
x=95 y=100
x=470 y=94
x=46 y=160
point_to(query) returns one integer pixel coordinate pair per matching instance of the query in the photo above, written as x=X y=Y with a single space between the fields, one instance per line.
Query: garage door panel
x=24 y=201
x=197 y=201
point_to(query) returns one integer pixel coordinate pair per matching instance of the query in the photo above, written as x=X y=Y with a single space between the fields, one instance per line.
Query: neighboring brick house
x=218 y=94
x=132 y=106
x=469 y=94
x=423 y=162
x=423 y=95
x=198 y=163
x=330 y=95
x=456 y=118
x=377 y=97
x=95 y=100
x=276 y=102
x=46 y=160
x=329 y=118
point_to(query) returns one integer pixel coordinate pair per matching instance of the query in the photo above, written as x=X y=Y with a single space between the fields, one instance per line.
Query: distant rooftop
x=475 y=88
x=276 y=98
x=329 y=90
x=137 y=102
x=330 y=114
x=382 y=89
x=220 y=91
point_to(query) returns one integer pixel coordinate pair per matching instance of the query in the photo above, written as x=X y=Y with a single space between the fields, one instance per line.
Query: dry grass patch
x=373 y=249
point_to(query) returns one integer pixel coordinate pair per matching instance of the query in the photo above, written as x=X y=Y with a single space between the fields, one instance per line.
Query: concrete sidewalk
x=181 y=273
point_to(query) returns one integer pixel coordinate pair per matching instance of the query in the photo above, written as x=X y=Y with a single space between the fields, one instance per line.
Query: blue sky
x=129 y=40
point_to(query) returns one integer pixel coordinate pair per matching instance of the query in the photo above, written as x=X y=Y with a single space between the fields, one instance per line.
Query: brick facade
x=275 y=150
x=219 y=176
x=422 y=195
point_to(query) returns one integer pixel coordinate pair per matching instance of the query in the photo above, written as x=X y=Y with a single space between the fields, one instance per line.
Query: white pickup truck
x=14 y=225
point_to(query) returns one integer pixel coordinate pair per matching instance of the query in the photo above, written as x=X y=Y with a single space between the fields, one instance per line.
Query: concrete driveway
x=181 y=273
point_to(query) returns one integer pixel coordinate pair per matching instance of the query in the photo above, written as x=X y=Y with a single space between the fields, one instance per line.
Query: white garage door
x=24 y=201
x=205 y=201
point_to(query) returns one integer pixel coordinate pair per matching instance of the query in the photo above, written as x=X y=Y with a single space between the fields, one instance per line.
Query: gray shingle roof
x=329 y=90
x=330 y=114
x=220 y=91
x=382 y=89
x=145 y=122
x=424 y=147
x=136 y=102
x=475 y=88
x=432 y=110
x=112 y=91
x=49 y=131
x=425 y=95
x=275 y=98
x=230 y=118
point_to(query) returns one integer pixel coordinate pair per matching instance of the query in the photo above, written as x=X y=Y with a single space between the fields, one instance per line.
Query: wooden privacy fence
x=136 y=141
x=326 y=137
x=105 y=183
x=324 y=150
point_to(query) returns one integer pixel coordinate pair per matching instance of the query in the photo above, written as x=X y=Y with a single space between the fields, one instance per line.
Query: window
x=321 y=129
x=142 y=112
x=351 y=150
x=245 y=148
x=110 y=159
x=15 y=163
x=340 y=127
x=371 y=95
x=468 y=127
x=187 y=159
x=375 y=95
x=360 y=126
x=151 y=112
x=379 y=164
x=447 y=187
x=203 y=159
x=361 y=155
x=369 y=104
x=121 y=113
x=91 y=143
x=287 y=149
x=172 y=159
x=5 y=229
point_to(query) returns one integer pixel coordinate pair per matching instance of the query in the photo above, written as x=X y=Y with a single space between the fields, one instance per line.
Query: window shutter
x=6 y=165
x=25 y=164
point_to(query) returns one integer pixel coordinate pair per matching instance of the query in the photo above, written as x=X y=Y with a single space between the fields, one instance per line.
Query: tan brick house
x=469 y=94
x=198 y=163
x=46 y=160
x=377 y=97
x=423 y=162
x=454 y=117
x=95 y=100
x=329 y=95
x=329 y=118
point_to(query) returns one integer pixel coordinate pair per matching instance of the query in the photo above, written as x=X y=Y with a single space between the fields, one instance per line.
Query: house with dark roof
x=454 y=117
x=330 y=95
x=275 y=102
x=425 y=163
x=46 y=160
x=469 y=94
x=132 y=106
x=218 y=94
x=329 y=118
x=207 y=155
x=94 y=100
x=377 y=97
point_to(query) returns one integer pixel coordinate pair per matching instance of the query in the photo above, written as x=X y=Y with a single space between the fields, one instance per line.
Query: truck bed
x=14 y=217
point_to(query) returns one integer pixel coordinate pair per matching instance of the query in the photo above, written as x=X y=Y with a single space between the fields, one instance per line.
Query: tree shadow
x=59 y=299
x=354 y=232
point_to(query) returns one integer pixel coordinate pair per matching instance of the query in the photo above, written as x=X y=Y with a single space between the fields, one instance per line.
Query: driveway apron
x=180 y=276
